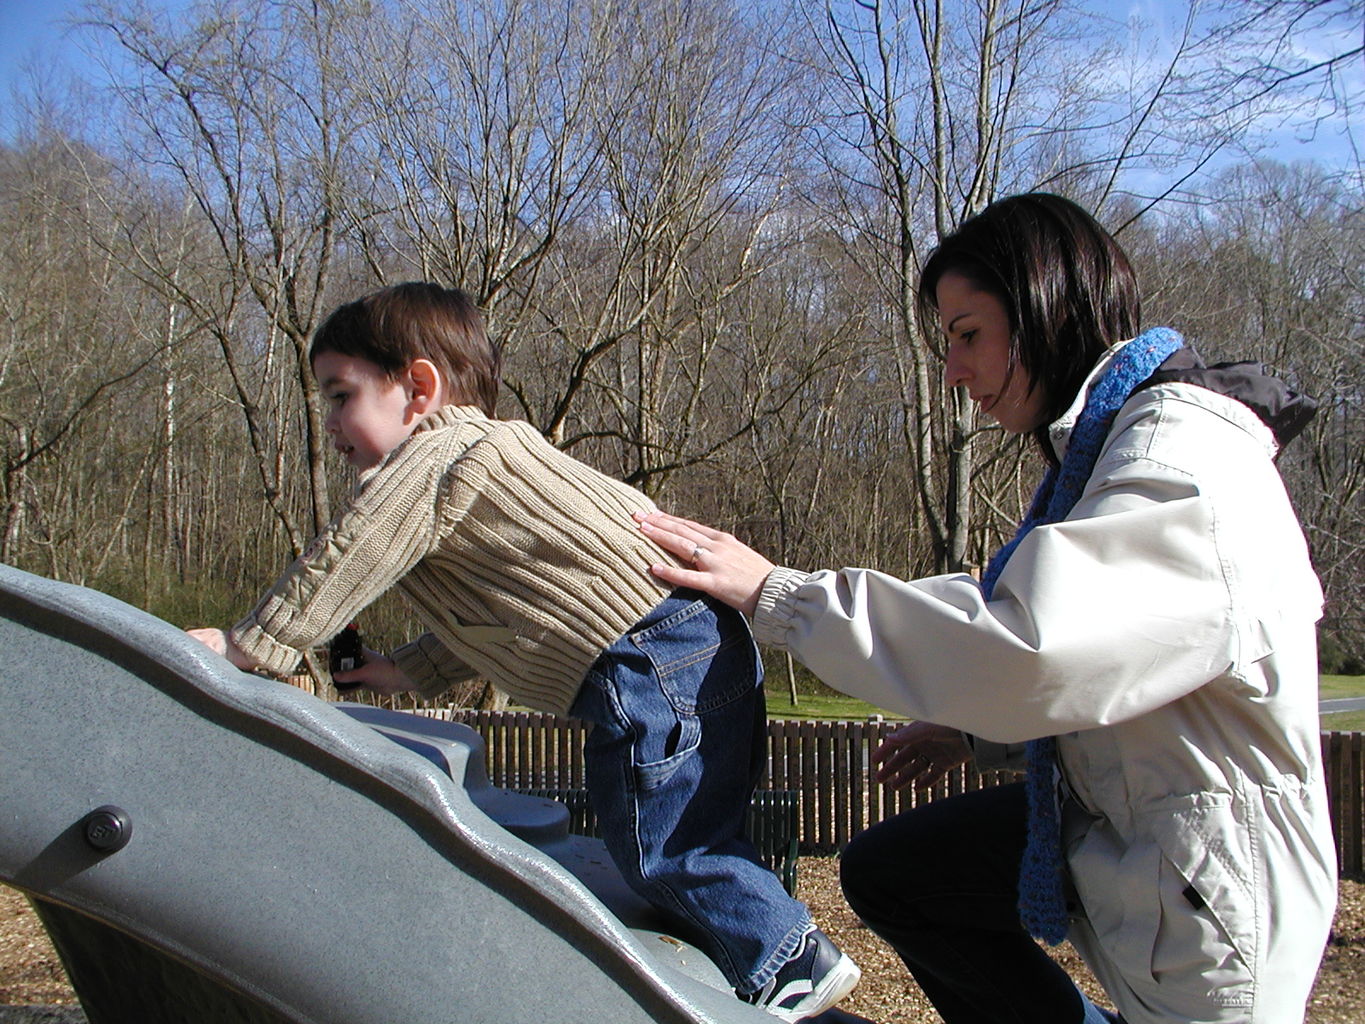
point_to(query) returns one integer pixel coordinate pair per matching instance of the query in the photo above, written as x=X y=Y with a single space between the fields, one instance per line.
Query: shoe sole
x=838 y=982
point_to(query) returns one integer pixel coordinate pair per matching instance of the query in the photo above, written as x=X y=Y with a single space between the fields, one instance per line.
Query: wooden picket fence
x=1343 y=761
x=827 y=764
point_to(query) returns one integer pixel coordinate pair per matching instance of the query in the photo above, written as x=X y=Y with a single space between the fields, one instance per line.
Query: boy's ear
x=424 y=386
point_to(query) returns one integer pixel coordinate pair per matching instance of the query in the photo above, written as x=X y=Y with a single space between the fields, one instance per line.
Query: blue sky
x=36 y=30
x=37 y=27
x=26 y=25
x=36 y=38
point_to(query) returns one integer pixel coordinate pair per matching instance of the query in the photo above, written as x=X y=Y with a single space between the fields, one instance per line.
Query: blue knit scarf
x=1042 y=905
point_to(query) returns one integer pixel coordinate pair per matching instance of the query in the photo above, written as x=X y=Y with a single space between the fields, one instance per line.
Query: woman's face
x=977 y=326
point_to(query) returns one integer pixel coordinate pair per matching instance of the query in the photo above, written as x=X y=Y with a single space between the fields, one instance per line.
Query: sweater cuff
x=775 y=609
x=267 y=652
x=989 y=755
x=428 y=665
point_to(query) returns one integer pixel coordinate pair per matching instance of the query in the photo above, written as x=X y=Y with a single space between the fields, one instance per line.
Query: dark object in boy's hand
x=345 y=653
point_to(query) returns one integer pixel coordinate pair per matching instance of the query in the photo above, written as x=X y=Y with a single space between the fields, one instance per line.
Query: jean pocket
x=680 y=747
x=703 y=656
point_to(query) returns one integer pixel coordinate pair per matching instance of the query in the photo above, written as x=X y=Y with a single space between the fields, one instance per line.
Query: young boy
x=528 y=570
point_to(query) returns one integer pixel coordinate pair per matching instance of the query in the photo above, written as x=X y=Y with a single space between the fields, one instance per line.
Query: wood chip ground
x=31 y=976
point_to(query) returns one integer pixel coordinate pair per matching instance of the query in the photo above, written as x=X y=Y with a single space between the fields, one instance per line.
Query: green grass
x=1334 y=687
x=1347 y=721
x=826 y=706
x=835 y=707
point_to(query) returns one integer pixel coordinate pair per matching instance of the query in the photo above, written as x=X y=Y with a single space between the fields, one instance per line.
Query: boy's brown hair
x=393 y=326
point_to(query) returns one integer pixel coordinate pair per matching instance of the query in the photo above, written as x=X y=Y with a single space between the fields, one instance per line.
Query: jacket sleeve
x=387 y=529
x=1119 y=609
x=431 y=666
x=988 y=756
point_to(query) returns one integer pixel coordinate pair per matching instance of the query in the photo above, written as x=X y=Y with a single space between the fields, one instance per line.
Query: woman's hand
x=919 y=754
x=378 y=673
x=723 y=567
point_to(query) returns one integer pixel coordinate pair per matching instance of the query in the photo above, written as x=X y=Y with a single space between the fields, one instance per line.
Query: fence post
x=1343 y=755
x=872 y=739
x=809 y=789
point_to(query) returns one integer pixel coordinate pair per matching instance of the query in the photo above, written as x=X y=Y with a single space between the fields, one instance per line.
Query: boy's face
x=370 y=414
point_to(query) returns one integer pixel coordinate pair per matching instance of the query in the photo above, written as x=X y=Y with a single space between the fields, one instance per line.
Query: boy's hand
x=218 y=642
x=379 y=674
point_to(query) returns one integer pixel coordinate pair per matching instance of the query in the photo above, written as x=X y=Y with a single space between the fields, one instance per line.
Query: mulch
x=31 y=975
x=888 y=993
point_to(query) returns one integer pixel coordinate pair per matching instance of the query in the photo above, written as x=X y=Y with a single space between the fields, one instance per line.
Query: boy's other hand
x=214 y=639
x=218 y=642
x=378 y=673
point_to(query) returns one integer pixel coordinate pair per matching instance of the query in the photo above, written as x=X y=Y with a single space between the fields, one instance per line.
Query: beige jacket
x=523 y=562
x=1165 y=633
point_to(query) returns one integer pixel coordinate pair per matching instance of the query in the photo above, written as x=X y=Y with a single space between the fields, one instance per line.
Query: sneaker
x=812 y=981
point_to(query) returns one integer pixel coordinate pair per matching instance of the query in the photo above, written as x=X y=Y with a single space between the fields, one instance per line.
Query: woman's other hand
x=919 y=754
x=723 y=567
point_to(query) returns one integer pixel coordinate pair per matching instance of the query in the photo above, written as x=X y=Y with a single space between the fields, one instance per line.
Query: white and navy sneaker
x=812 y=981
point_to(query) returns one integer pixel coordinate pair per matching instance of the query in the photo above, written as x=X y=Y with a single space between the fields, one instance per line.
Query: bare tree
x=1303 y=58
x=643 y=296
x=67 y=348
x=936 y=109
x=481 y=139
x=250 y=116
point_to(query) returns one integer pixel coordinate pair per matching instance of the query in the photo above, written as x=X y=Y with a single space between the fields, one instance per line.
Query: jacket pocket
x=1208 y=898
x=1173 y=907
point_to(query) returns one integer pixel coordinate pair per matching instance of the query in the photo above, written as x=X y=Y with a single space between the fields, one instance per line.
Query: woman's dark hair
x=1066 y=283
x=401 y=323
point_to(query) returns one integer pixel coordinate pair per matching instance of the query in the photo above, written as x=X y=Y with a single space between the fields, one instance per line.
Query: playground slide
x=206 y=845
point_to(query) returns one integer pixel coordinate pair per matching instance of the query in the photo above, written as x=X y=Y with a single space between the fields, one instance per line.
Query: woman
x=1149 y=633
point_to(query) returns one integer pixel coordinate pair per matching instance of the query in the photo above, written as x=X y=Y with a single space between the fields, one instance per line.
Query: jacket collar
x=1059 y=431
x=1284 y=411
x=449 y=416
x=445 y=416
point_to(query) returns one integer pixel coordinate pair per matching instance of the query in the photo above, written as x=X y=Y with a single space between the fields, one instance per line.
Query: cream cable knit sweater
x=522 y=561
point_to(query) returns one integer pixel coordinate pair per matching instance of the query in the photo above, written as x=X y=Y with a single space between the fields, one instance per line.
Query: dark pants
x=939 y=884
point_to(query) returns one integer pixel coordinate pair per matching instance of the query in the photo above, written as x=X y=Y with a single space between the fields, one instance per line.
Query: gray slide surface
x=291 y=860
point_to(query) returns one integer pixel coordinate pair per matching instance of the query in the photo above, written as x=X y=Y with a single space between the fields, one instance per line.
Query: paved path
x=1328 y=707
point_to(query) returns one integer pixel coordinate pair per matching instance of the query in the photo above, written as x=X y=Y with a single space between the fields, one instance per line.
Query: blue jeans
x=940 y=884
x=676 y=747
